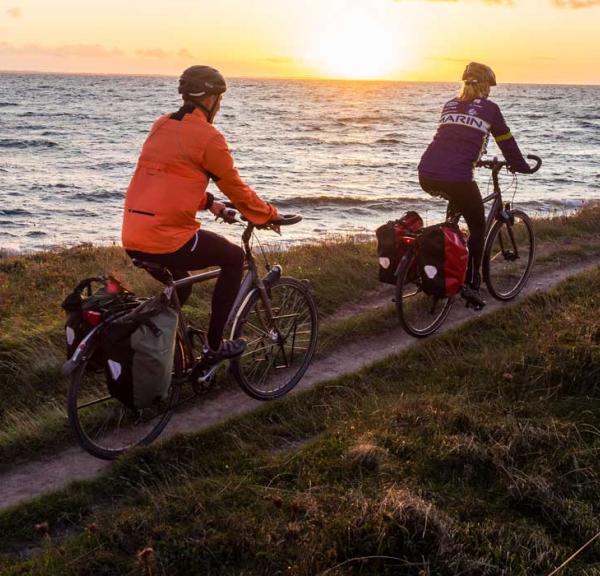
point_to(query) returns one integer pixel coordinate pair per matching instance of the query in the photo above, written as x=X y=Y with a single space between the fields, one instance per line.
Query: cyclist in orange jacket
x=181 y=154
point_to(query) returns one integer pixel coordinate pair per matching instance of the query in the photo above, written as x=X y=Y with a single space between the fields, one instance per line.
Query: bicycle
x=507 y=260
x=276 y=314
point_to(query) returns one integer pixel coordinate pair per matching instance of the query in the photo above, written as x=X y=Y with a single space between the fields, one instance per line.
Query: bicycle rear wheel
x=420 y=314
x=508 y=256
x=278 y=353
x=106 y=428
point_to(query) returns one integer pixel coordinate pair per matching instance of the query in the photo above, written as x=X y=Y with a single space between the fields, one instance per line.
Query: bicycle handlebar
x=283 y=220
x=537 y=160
x=496 y=165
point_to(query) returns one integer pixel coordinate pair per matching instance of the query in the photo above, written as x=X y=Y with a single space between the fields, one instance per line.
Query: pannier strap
x=153 y=327
x=73 y=300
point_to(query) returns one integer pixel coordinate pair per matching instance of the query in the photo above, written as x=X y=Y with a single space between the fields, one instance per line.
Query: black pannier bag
x=139 y=348
x=390 y=244
x=86 y=308
x=442 y=260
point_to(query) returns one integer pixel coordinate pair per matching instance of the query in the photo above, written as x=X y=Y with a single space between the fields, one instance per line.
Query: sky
x=528 y=41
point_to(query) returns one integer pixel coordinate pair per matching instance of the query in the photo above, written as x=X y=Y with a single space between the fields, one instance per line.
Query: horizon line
x=288 y=78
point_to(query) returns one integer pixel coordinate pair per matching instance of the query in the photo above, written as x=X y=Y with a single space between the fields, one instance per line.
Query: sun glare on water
x=355 y=45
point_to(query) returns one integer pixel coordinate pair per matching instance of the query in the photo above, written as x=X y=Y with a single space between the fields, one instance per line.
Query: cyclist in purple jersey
x=447 y=166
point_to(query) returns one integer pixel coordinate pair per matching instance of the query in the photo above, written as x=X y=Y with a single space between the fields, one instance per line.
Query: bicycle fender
x=80 y=352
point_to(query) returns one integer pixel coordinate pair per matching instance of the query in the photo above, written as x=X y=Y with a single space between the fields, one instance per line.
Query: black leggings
x=465 y=198
x=203 y=250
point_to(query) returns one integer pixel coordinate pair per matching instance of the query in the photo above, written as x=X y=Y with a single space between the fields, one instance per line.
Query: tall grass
x=32 y=390
x=475 y=453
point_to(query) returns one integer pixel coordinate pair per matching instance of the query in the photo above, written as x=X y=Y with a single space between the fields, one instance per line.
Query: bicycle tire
x=412 y=304
x=89 y=431
x=505 y=272
x=263 y=351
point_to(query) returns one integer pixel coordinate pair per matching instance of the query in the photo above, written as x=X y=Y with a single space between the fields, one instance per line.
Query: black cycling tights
x=464 y=197
x=203 y=250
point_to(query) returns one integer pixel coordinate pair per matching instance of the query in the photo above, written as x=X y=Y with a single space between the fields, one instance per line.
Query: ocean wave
x=365 y=119
x=377 y=203
x=111 y=165
x=59 y=185
x=35 y=234
x=4 y=104
x=388 y=141
x=30 y=114
x=12 y=143
x=99 y=195
x=15 y=212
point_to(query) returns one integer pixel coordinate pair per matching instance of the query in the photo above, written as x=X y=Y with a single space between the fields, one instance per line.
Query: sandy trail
x=33 y=478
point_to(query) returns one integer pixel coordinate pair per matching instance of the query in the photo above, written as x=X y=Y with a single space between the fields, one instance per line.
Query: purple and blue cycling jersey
x=461 y=139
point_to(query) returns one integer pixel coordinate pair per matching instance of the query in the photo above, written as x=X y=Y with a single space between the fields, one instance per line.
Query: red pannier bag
x=391 y=245
x=442 y=260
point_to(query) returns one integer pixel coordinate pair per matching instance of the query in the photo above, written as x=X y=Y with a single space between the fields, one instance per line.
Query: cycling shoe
x=472 y=298
x=227 y=350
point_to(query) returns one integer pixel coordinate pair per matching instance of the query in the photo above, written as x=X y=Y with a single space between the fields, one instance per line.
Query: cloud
x=160 y=54
x=558 y=3
x=14 y=12
x=488 y=2
x=67 y=50
x=576 y=3
x=281 y=60
x=152 y=53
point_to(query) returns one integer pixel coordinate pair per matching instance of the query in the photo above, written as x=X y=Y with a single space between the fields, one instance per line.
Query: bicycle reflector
x=92 y=317
x=408 y=239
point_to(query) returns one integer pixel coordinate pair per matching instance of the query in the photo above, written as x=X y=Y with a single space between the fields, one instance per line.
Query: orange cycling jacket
x=181 y=153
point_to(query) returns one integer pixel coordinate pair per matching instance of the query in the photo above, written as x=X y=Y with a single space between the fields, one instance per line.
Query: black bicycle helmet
x=198 y=81
x=476 y=73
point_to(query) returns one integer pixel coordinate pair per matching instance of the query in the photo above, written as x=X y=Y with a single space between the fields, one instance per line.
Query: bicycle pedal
x=204 y=383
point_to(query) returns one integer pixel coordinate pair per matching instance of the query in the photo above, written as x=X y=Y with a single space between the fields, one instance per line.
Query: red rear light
x=92 y=317
x=113 y=286
x=408 y=239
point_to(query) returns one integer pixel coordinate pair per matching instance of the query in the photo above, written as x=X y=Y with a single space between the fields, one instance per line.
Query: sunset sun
x=355 y=46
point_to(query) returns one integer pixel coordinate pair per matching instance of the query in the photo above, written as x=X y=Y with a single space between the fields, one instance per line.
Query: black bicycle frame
x=251 y=281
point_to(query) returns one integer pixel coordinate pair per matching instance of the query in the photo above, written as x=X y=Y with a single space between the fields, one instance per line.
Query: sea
x=342 y=154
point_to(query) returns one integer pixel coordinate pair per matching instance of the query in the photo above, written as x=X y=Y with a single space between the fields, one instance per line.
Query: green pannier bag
x=138 y=349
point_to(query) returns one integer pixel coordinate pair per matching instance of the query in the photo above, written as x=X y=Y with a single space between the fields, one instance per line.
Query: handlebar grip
x=537 y=160
x=287 y=219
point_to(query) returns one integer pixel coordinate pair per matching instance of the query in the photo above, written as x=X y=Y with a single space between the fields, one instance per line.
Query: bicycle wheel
x=106 y=428
x=278 y=353
x=508 y=256
x=420 y=314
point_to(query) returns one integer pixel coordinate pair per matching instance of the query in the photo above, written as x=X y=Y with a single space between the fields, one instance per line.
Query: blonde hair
x=473 y=91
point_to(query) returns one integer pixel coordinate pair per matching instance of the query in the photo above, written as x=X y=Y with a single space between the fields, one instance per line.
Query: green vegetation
x=476 y=452
x=32 y=390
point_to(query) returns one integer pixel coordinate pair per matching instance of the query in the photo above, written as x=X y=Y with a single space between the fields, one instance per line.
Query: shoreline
x=568 y=209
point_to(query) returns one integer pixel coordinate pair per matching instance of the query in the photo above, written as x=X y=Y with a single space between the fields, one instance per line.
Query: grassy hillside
x=32 y=390
x=475 y=453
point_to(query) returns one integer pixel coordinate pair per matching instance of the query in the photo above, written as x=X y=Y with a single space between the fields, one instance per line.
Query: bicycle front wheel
x=508 y=256
x=104 y=426
x=279 y=347
x=420 y=314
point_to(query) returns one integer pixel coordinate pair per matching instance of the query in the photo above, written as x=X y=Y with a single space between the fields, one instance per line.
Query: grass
x=475 y=453
x=32 y=390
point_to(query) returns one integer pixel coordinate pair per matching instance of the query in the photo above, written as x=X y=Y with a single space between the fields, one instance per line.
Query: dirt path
x=52 y=472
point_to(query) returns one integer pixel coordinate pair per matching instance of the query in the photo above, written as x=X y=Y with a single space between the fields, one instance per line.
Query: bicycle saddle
x=155 y=270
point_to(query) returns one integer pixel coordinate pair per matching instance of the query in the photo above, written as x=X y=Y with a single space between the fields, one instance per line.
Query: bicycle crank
x=203 y=378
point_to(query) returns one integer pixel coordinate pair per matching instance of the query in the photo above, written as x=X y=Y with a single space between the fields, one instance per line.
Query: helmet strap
x=213 y=110
x=208 y=112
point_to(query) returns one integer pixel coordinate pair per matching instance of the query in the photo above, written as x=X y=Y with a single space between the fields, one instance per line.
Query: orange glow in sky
x=547 y=41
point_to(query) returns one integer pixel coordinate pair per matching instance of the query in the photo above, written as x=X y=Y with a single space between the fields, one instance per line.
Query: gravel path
x=36 y=477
